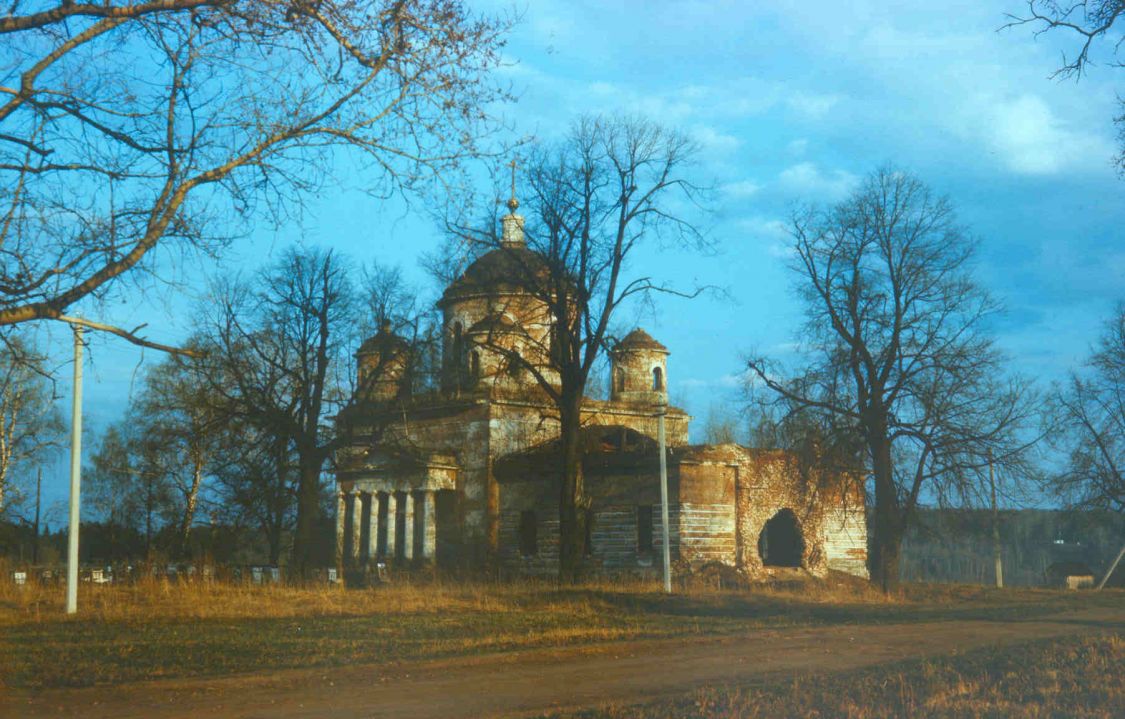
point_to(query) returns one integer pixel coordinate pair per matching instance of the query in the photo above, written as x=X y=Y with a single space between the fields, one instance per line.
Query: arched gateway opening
x=780 y=543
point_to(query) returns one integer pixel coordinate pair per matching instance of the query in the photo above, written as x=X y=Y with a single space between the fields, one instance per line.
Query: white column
x=408 y=520
x=392 y=526
x=357 y=524
x=341 y=514
x=429 y=524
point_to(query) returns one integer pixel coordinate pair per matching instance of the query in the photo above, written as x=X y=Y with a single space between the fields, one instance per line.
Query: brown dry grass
x=158 y=598
x=157 y=628
x=1080 y=677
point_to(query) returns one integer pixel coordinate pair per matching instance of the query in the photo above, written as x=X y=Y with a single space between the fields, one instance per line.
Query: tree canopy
x=129 y=126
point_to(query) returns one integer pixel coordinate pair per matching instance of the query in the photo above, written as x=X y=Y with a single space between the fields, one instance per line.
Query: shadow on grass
x=761 y=608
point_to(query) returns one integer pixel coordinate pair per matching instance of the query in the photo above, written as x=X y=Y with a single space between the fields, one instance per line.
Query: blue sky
x=790 y=102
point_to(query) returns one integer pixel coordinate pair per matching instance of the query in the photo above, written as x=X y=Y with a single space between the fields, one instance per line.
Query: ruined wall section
x=617 y=498
x=845 y=532
x=540 y=497
x=768 y=482
x=707 y=520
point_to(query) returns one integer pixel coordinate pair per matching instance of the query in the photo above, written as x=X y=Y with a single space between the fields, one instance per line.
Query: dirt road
x=527 y=683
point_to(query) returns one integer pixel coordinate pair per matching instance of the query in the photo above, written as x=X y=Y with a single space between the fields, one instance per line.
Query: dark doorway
x=365 y=527
x=418 y=531
x=528 y=533
x=381 y=539
x=780 y=543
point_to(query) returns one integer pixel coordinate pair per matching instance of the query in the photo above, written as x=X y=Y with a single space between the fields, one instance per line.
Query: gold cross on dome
x=513 y=203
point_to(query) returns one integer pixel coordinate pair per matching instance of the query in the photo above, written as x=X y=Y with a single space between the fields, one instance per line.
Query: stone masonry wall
x=707 y=518
x=768 y=483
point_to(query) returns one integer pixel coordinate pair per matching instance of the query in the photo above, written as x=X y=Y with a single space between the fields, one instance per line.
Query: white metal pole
x=75 y=477
x=664 y=502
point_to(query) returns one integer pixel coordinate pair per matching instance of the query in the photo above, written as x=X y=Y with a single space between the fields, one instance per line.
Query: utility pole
x=77 y=324
x=995 y=526
x=1112 y=567
x=661 y=410
x=75 y=477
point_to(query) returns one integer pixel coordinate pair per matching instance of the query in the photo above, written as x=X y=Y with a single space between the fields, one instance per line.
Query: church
x=468 y=477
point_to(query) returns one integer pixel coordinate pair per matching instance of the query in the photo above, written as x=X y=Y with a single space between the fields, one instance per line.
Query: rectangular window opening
x=529 y=534
x=644 y=528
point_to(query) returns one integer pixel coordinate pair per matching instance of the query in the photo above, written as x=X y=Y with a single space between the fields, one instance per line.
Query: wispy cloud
x=807 y=180
x=1030 y=138
x=741 y=189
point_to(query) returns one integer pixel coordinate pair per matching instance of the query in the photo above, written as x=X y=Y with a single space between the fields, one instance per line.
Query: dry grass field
x=1074 y=677
x=156 y=629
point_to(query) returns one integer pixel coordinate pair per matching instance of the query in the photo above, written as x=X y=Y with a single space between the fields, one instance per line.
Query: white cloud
x=806 y=180
x=1031 y=139
x=811 y=105
x=714 y=141
x=742 y=189
x=771 y=232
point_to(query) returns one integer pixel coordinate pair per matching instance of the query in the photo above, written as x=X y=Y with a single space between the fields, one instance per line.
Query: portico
x=390 y=514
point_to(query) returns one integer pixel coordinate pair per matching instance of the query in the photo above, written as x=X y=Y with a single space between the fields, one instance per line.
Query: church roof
x=639 y=339
x=505 y=268
x=495 y=323
x=596 y=440
x=383 y=340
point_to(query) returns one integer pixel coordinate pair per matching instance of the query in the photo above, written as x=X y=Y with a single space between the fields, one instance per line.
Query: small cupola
x=639 y=370
x=382 y=364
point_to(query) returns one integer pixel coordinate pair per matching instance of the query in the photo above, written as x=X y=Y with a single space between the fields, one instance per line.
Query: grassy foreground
x=1078 y=677
x=157 y=629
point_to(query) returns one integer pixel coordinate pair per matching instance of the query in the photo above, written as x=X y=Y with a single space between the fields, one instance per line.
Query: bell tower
x=639 y=370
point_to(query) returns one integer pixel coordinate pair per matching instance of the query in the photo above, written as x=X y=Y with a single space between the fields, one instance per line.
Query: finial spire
x=513 y=203
x=512 y=236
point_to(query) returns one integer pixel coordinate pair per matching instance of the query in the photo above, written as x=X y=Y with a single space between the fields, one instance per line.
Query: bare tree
x=175 y=410
x=1090 y=21
x=1088 y=422
x=129 y=485
x=128 y=126
x=612 y=185
x=391 y=309
x=721 y=425
x=276 y=352
x=900 y=363
x=30 y=423
x=111 y=492
x=255 y=484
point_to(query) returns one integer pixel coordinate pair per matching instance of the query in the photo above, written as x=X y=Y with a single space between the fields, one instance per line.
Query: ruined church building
x=469 y=476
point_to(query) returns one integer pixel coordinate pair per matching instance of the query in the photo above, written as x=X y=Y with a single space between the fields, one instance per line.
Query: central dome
x=510 y=269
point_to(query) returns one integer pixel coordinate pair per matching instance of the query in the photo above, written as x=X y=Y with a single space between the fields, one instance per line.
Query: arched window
x=474 y=366
x=619 y=379
x=657 y=379
x=515 y=365
x=458 y=344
